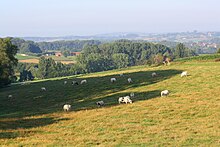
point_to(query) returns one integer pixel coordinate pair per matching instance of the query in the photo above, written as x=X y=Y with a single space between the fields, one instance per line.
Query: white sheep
x=10 y=96
x=184 y=73
x=132 y=94
x=83 y=81
x=65 y=82
x=121 y=100
x=100 y=103
x=164 y=93
x=43 y=89
x=66 y=107
x=113 y=80
x=129 y=80
x=154 y=74
x=125 y=99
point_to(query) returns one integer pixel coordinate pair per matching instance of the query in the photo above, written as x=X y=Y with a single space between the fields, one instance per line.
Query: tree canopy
x=7 y=61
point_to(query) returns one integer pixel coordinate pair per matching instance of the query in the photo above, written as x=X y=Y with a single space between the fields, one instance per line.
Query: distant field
x=34 y=59
x=69 y=58
x=189 y=116
x=20 y=57
x=29 y=61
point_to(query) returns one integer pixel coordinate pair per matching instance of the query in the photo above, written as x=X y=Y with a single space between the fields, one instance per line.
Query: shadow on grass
x=15 y=124
x=113 y=100
x=34 y=102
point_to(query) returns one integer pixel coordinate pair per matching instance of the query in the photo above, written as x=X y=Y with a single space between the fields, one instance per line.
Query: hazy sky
x=88 y=17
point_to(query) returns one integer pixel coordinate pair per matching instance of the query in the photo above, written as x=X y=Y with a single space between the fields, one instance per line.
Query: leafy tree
x=182 y=51
x=218 y=51
x=158 y=59
x=7 y=61
x=120 y=60
x=30 y=47
x=26 y=76
x=66 y=53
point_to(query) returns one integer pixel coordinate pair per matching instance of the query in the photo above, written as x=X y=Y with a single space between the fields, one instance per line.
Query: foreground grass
x=189 y=116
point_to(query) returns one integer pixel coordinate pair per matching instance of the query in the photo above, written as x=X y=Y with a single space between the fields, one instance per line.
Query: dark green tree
x=181 y=51
x=26 y=76
x=218 y=51
x=30 y=47
x=120 y=60
x=7 y=61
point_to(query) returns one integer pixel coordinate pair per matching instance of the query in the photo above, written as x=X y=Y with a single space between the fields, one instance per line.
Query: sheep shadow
x=21 y=123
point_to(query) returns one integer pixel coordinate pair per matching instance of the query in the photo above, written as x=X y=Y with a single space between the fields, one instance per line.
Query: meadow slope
x=189 y=116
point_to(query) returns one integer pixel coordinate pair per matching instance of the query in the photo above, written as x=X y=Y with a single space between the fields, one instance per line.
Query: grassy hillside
x=189 y=116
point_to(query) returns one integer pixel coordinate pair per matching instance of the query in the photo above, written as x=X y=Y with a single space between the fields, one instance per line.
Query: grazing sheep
x=65 y=82
x=43 y=89
x=129 y=80
x=75 y=83
x=154 y=74
x=100 y=103
x=10 y=96
x=125 y=99
x=164 y=93
x=184 y=73
x=121 y=100
x=113 y=80
x=66 y=107
x=132 y=94
x=83 y=81
x=121 y=75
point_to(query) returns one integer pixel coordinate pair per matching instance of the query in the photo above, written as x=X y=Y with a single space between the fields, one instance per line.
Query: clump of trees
x=48 y=68
x=73 y=45
x=26 y=47
x=124 y=53
x=7 y=61
x=182 y=51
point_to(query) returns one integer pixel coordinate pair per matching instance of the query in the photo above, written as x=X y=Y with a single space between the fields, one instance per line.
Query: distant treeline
x=30 y=47
x=76 y=45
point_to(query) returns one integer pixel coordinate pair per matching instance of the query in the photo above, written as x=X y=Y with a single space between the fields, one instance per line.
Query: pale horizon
x=55 y=18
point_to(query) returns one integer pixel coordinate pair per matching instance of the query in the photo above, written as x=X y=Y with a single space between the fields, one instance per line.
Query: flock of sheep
x=125 y=99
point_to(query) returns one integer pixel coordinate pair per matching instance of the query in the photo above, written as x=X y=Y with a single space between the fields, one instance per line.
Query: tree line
x=94 y=58
x=30 y=47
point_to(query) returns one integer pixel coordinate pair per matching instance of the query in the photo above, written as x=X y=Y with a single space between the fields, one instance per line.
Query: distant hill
x=155 y=37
